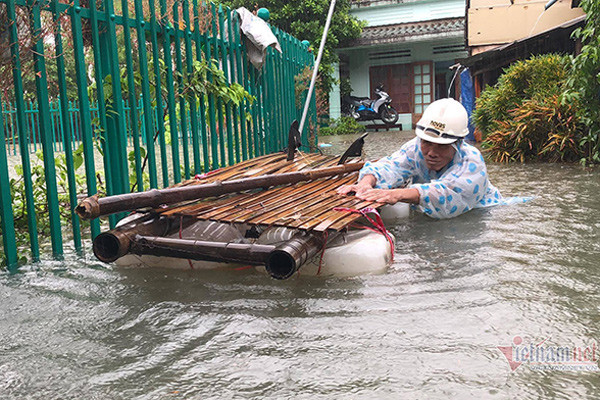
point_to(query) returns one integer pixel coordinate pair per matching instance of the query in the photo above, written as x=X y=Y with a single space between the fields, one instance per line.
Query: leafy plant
x=537 y=78
x=342 y=126
x=583 y=82
x=301 y=86
x=305 y=20
x=38 y=178
x=345 y=87
x=537 y=130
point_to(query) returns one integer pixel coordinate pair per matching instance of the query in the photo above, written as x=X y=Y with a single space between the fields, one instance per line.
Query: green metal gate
x=201 y=104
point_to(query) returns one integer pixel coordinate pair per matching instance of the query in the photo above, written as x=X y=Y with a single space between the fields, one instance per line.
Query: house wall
x=360 y=62
x=388 y=12
x=415 y=50
x=496 y=22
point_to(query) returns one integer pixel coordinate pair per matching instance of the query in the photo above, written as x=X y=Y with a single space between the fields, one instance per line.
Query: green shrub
x=342 y=126
x=537 y=130
x=583 y=83
x=538 y=78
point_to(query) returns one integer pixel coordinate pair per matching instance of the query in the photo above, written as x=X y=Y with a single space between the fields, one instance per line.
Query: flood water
x=428 y=328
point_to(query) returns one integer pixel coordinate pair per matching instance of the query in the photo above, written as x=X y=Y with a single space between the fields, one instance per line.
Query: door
x=396 y=80
x=423 y=87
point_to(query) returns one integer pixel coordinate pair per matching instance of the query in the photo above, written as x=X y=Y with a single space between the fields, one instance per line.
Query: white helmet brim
x=428 y=135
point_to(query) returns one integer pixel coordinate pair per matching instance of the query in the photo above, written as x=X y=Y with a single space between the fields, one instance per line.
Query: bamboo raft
x=308 y=206
x=292 y=190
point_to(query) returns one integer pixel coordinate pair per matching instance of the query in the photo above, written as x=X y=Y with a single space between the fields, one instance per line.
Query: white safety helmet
x=444 y=121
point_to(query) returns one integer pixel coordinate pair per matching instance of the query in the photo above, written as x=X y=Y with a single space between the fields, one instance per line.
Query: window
x=423 y=85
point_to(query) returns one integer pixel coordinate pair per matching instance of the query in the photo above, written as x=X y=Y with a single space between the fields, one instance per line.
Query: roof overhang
x=410 y=32
x=506 y=53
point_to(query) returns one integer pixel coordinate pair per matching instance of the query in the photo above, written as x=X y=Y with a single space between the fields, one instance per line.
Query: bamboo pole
x=94 y=207
x=245 y=253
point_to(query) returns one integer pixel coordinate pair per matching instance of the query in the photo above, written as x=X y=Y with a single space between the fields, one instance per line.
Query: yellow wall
x=498 y=21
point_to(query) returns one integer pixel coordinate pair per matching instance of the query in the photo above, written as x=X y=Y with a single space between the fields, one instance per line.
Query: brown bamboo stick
x=94 y=207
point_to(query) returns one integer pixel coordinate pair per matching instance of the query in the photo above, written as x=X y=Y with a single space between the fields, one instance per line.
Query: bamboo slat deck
x=307 y=205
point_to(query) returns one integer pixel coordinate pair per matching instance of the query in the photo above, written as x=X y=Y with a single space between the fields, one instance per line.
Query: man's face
x=437 y=156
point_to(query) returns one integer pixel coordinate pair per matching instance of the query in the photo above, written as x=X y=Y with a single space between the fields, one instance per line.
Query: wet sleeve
x=458 y=191
x=392 y=171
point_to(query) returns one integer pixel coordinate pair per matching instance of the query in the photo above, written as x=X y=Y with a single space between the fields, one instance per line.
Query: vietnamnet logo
x=542 y=356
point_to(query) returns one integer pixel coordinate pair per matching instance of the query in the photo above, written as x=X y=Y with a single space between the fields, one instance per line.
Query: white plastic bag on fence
x=258 y=37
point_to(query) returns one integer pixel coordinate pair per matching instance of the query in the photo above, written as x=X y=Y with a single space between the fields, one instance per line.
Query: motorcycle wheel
x=388 y=115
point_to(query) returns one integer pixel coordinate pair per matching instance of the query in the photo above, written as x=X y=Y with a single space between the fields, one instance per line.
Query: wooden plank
x=313 y=216
x=328 y=220
x=273 y=206
x=295 y=208
x=303 y=214
x=261 y=202
x=306 y=205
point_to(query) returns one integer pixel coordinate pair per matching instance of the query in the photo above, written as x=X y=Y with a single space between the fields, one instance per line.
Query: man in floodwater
x=446 y=177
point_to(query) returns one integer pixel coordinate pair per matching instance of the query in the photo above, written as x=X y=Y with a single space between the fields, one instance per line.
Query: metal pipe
x=114 y=244
x=281 y=261
x=287 y=258
x=549 y=4
x=246 y=253
x=94 y=207
x=317 y=63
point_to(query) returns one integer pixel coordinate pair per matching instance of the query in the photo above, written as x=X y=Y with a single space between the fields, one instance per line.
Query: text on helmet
x=438 y=125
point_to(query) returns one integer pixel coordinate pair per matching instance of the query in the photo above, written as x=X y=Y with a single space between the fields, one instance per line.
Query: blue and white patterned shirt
x=459 y=187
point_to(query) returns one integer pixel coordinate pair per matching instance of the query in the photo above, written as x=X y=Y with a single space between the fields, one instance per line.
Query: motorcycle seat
x=354 y=98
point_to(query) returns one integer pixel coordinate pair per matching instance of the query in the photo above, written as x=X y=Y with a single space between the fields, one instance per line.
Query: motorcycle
x=366 y=109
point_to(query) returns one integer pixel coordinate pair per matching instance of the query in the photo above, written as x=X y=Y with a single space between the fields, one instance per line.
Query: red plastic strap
x=204 y=175
x=377 y=222
x=180 y=230
x=322 y=252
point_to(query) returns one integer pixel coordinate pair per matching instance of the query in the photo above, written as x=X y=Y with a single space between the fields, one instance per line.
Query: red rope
x=180 y=230
x=243 y=268
x=326 y=234
x=377 y=223
x=204 y=175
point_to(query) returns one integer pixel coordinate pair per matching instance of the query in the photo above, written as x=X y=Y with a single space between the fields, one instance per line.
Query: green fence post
x=214 y=144
x=200 y=39
x=218 y=57
x=8 y=224
x=23 y=131
x=147 y=106
x=102 y=127
x=115 y=118
x=180 y=91
x=41 y=85
x=160 y=117
x=85 y=120
x=66 y=127
x=256 y=119
x=224 y=63
x=231 y=51
x=234 y=36
x=133 y=110
x=167 y=30
x=189 y=59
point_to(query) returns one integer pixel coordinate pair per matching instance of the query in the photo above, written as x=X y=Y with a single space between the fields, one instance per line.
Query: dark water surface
x=428 y=328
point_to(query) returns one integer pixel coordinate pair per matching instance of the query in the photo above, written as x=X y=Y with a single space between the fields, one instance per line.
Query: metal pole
x=317 y=62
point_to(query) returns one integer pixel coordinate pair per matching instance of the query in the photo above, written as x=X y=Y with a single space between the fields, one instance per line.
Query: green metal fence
x=188 y=119
x=32 y=117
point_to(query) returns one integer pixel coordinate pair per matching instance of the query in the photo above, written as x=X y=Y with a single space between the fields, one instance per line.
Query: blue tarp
x=467 y=98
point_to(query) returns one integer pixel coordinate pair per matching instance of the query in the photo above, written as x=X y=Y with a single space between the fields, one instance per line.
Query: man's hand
x=366 y=183
x=390 y=196
x=357 y=189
